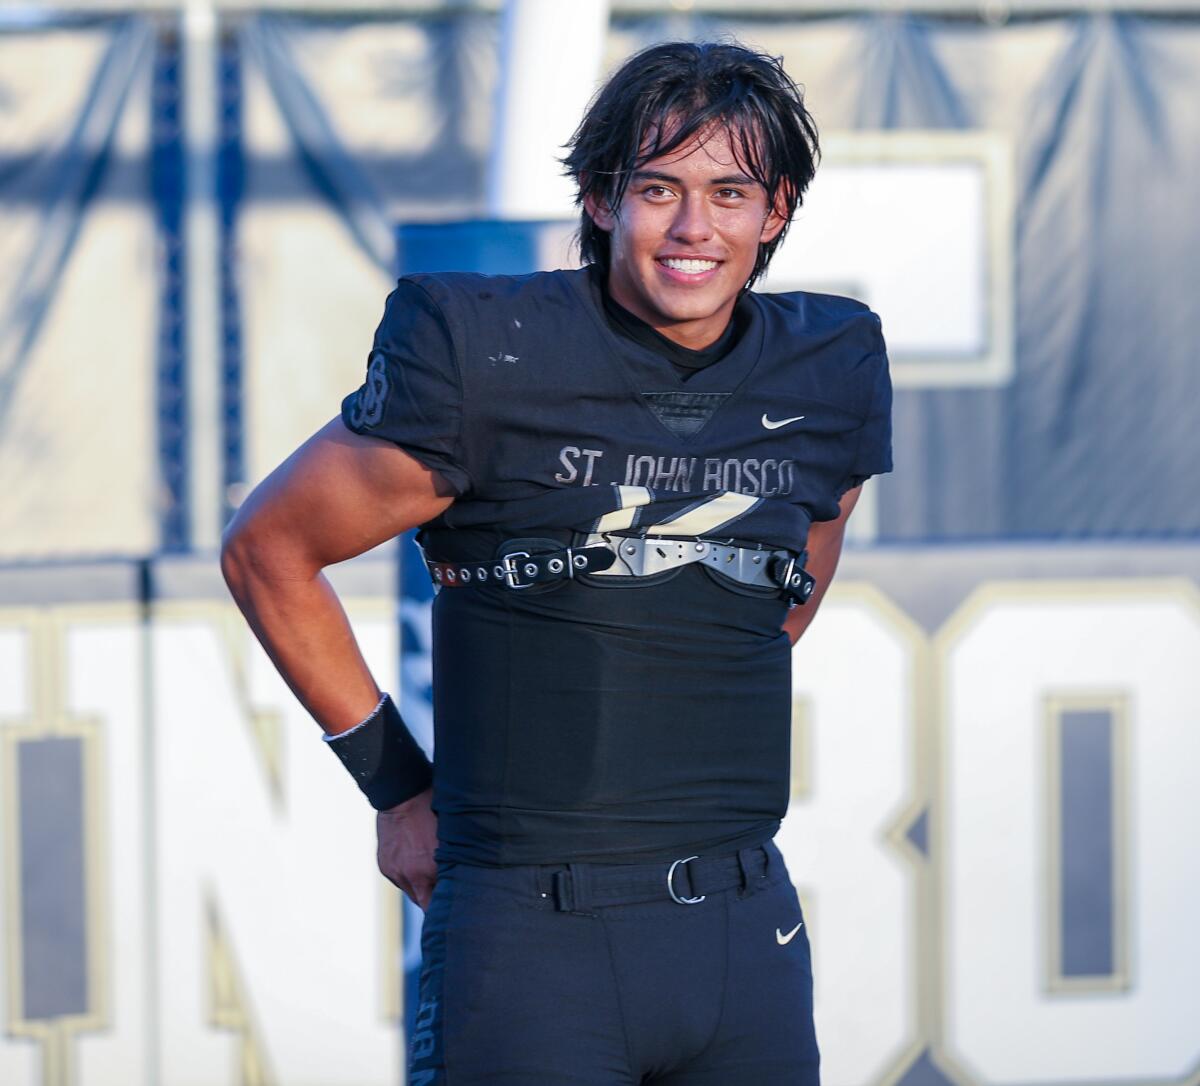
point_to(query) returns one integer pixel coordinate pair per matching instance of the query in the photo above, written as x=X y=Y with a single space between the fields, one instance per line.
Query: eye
x=656 y=191
x=731 y=194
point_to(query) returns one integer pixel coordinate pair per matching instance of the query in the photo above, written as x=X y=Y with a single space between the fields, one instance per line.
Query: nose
x=693 y=220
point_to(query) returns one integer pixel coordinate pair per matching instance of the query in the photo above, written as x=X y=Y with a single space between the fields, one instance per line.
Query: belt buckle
x=508 y=566
x=796 y=579
x=671 y=884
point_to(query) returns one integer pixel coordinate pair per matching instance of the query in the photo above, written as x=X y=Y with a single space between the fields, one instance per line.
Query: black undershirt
x=684 y=359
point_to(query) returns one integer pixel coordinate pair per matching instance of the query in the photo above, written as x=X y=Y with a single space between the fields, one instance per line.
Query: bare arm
x=335 y=497
x=824 y=549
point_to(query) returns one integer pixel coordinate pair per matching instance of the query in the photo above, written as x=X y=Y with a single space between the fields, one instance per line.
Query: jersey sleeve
x=873 y=455
x=413 y=394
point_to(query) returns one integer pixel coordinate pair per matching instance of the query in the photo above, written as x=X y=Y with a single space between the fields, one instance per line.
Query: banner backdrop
x=78 y=295
x=348 y=128
x=352 y=126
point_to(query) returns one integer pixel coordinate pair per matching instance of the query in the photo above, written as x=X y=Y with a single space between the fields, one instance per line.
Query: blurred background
x=996 y=750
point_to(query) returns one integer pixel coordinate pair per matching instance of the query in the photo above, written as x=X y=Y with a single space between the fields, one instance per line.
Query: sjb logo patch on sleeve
x=368 y=407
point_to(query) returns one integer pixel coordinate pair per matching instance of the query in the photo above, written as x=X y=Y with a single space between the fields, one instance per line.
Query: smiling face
x=684 y=240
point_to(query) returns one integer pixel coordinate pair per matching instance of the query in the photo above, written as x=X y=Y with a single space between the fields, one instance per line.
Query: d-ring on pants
x=604 y=975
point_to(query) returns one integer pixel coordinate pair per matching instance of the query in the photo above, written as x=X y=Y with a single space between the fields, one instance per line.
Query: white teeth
x=691 y=267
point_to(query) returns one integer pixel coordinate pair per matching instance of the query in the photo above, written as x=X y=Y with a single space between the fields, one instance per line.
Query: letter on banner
x=1062 y=701
x=270 y=956
x=854 y=684
x=71 y=883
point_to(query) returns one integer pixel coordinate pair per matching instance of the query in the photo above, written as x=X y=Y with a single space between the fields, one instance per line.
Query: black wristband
x=384 y=758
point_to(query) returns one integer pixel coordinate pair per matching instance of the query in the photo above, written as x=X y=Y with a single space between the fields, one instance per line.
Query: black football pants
x=519 y=988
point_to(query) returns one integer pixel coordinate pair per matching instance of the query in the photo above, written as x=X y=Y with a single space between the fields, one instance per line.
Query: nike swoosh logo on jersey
x=782 y=939
x=782 y=422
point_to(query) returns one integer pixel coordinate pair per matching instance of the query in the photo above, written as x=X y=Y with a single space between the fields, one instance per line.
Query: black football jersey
x=607 y=718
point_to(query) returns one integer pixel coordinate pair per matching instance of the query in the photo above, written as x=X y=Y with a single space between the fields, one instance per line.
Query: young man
x=617 y=472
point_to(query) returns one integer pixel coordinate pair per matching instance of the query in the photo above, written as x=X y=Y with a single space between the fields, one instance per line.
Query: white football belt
x=633 y=556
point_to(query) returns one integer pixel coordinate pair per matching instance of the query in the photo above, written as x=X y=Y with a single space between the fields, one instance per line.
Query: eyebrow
x=655 y=175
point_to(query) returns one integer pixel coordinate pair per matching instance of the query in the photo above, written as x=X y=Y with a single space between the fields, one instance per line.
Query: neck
x=694 y=335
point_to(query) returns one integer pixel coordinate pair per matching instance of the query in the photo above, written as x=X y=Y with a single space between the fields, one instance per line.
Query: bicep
x=336 y=496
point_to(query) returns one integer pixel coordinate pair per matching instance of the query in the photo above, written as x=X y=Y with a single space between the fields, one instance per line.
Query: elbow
x=236 y=558
x=258 y=555
x=246 y=553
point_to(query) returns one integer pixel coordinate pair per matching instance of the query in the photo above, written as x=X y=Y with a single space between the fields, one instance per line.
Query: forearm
x=825 y=540
x=301 y=624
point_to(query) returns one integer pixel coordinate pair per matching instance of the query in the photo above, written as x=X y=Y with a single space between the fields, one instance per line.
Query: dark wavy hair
x=664 y=97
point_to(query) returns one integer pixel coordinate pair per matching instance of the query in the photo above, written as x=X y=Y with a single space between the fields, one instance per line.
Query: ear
x=775 y=220
x=600 y=212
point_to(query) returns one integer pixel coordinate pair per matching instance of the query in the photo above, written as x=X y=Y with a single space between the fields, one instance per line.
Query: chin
x=689 y=316
x=690 y=309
